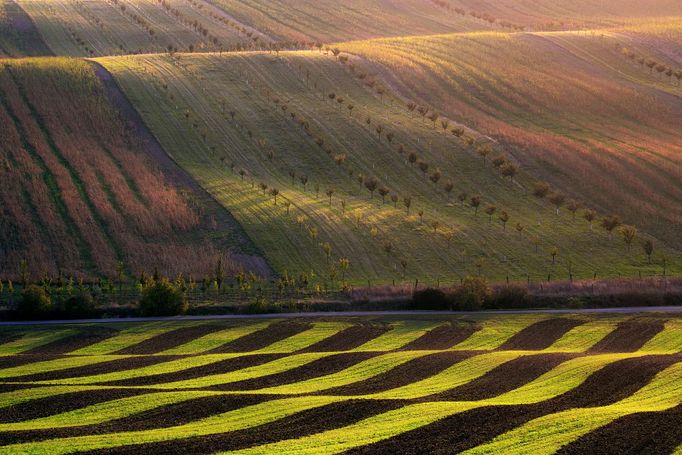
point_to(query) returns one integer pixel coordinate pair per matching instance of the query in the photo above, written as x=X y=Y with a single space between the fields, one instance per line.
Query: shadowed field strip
x=494 y=332
x=169 y=340
x=273 y=333
x=583 y=337
x=349 y=338
x=540 y=335
x=32 y=340
x=317 y=333
x=130 y=336
x=629 y=336
x=547 y=434
x=444 y=336
x=56 y=364
x=214 y=340
x=399 y=335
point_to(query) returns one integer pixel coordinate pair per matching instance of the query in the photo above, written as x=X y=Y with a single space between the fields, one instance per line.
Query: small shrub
x=471 y=294
x=35 y=302
x=162 y=299
x=430 y=299
x=78 y=306
x=509 y=296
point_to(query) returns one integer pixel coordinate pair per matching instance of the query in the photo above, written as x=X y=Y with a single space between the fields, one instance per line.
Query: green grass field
x=535 y=383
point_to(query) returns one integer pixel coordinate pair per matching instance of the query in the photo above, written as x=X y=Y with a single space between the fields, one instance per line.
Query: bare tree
x=558 y=200
x=490 y=210
x=509 y=170
x=330 y=193
x=519 y=228
x=484 y=150
x=462 y=197
x=590 y=215
x=304 y=181
x=573 y=206
x=407 y=202
x=475 y=202
x=628 y=234
x=609 y=223
x=371 y=184
x=540 y=189
x=504 y=218
x=449 y=186
x=394 y=199
x=648 y=249
x=383 y=192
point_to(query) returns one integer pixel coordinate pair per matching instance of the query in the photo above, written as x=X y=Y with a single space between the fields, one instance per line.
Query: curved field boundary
x=32 y=340
x=584 y=336
x=495 y=332
x=214 y=340
x=399 y=335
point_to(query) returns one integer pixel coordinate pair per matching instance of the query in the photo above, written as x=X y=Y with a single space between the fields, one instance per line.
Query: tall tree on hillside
x=648 y=249
x=449 y=186
x=462 y=197
x=330 y=193
x=609 y=223
x=573 y=206
x=628 y=234
x=504 y=218
x=484 y=150
x=383 y=192
x=509 y=170
x=435 y=176
x=371 y=184
x=475 y=202
x=590 y=215
x=557 y=199
x=407 y=202
x=490 y=210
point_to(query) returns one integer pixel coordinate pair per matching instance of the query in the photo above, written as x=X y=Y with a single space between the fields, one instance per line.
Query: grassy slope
x=82 y=194
x=574 y=110
x=18 y=36
x=191 y=119
x=103 y=28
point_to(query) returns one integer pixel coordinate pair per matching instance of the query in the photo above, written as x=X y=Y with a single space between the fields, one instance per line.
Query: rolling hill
x=241 y=120
x=80 y=193
x=571 y=107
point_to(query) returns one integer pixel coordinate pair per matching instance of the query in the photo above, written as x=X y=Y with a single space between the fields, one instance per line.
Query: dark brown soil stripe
x=171 y=339
x=25 y=359
x=85 y=337
x=407 y=373
x=161 y=417
x=57 y=404
x=348 y=339
x=111 y=366
x=508 y=376
x=442 y=337
x=221 y=366
x=7 y=337
x=301 y=424
x=12 y=387
x=320 y=367
x=469 y=429
x=265 y=337
x=540 y=335
x=629 y=336
x=642 y=433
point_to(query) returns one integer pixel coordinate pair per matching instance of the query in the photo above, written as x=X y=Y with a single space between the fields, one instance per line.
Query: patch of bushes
x=78 y=306
x=509 y=297
x=162 y=298
x=430 y=299
x=468 y=296
x=35 y=303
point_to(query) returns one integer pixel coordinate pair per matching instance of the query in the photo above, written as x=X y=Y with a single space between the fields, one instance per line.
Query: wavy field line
x=159 y=368
x=494 y=332
x=32 y=340
x=547 y=434
x=400 y=334
x=246 y=417
x=215 y=340
x=584 y=336
x=105 y=411
x=130 y=337
x=55 y=365
x=668 y=341
x=319 y=332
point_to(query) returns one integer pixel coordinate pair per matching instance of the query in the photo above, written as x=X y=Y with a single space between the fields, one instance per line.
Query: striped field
x=518 y=384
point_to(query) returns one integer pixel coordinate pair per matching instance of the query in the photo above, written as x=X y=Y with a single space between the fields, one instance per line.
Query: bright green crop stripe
x=401 y=333
x=238 y=419
x=494 y=332
x=132 y=336
x=55 y=365
x=34 y=339
x=559 y=380
x=318 y=332
x=171 y=366
x=367 y=431
x=109 y=410
x=276 y=366
x=216 y=339
x=23 y=395
x=584 y=336
x=667 y=341
x=547 y=434
x=358 y=372
x=456 y=375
